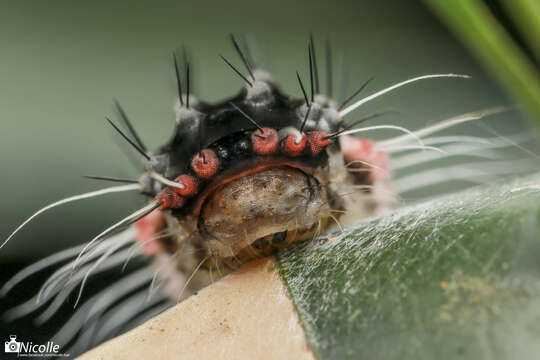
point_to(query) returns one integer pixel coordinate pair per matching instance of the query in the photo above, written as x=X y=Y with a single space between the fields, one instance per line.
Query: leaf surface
x=455 y=277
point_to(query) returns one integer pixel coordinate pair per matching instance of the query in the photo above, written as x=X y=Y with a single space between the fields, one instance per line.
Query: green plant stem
x=479 y=30
x=526 y=15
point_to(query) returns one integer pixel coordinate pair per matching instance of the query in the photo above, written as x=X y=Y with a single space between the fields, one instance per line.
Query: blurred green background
x=62 y=63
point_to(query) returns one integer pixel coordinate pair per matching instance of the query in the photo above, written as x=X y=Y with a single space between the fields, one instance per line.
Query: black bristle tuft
x=315 y=67
x=187 y=85
x=247 y=116
x=311 y=73
x=129 y=125
x=109 y=178
x=241 y=54
x=248 y=51
x=236 y=71
x=131 y=142
x=178 y=80
x=358 y=122
x=354 y=94
x=303 y=89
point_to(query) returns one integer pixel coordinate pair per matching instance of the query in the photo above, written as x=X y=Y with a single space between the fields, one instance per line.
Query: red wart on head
x=147 y=228
x=169 y=199
x=318 y=140
x=361 y=153
x=294 y=144
x=265 y=141
x=205 y=163
x=190 y=185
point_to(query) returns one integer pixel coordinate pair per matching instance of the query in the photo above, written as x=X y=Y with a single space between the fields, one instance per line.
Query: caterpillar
x=241 y=179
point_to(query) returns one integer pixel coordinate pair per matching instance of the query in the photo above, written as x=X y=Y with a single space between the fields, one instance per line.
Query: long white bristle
x=400 y=148
x=54 y=306
x=494 y=142
x=65 y=271
x=112 y=228
x=166 y=181
x=476 y=172
x=98 y=303
x=125 y=311
x=439 y=140
x=92 y=194
x=58 y=286
x=381 y=127
x=509 y=140
x=475 y=115
x=352 y=107
x=406 y=161
x=93 y=267
x=40 y=299
x=38 y=266
x=485 y=150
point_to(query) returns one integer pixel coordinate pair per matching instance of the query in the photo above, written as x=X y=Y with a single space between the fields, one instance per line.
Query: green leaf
x=457 y=277
x=488 y=40
x=526 y=14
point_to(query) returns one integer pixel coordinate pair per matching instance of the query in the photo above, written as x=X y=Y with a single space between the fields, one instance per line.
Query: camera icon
x=12 y=346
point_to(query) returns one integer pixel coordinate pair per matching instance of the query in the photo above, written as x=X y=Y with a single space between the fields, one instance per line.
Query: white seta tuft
x=38 y=266
x=125 y=221
x=487 y=149
x=445 y=124
x=93 y=308
x=474 y=172
x=94 y=266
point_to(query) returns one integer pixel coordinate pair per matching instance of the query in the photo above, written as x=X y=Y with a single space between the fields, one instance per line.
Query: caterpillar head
x=252 y=172
x=249 y=175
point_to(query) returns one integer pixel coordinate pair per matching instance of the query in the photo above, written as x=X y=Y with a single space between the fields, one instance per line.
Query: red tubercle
x=366 y=147
x=205 y=163
x=190 y=185
x=382 y=172
x=293 y=147
x=361 y=153
x=147 y=228
x=318 y=140
x=265 y=141
x=169 y=199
